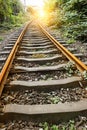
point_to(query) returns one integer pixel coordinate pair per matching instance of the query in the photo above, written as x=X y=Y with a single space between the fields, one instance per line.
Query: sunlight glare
x=41 y=13
x=38 y=3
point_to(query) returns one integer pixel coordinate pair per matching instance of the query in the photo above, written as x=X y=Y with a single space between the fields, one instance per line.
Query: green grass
x=70 y=125
x=1 y=38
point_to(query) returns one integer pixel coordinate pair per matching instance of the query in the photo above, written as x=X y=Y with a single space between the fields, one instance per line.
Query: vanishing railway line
x=41 y=80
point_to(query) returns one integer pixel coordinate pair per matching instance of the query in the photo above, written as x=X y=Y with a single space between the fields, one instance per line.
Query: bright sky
x=33 y=2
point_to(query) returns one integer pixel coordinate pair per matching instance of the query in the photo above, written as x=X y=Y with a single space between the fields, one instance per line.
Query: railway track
x=41 y=81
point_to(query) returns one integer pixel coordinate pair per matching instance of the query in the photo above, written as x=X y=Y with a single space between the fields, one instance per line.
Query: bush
x=71 y=16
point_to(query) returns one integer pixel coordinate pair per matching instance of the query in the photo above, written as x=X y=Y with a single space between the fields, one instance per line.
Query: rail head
x=79 y=64
x=5 y=70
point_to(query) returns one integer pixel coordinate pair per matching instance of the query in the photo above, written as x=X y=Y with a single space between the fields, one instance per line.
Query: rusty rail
x=79 y=64
x=5 y=70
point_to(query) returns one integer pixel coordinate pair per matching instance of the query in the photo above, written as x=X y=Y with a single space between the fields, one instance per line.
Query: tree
x=16 y=7
x=8 y=8
x=5 y=10
x=73 y=16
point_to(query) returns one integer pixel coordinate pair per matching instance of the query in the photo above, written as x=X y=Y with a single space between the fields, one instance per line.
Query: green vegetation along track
x=41 y=85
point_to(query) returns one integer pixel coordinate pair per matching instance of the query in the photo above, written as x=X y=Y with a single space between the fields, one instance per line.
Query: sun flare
x=38 y=3
x=41 y=13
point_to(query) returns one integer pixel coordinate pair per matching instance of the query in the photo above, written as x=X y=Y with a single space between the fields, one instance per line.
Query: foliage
x=5 y=10
x=84 y=74
x=55 y=99
x=75 y=19
x=50 y=5
x=69 y=67
x=31 y=10
x=71 y=17
x=54 y=127
x=1 y=38
x=54 y=13
x=16 y=7
x=70 y=125
x=11 y=12
x=45 y=126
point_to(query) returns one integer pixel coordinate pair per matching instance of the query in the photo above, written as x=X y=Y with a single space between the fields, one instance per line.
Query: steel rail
x=79 y=64
x=5 y=70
